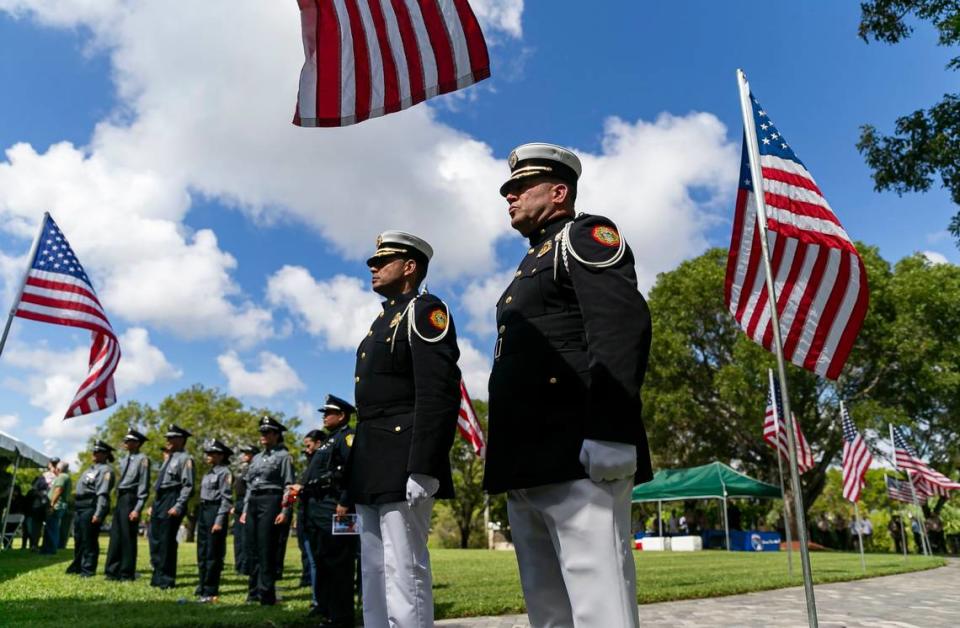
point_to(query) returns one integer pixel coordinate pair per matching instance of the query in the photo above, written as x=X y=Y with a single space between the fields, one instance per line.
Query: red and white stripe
x=856 y=461
x=468 y=425
x=368 y=58
x=820 y=280
x=61 y=299
x=775 y=434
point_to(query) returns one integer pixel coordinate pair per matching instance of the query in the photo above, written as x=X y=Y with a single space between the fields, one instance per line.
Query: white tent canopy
x=22 y=455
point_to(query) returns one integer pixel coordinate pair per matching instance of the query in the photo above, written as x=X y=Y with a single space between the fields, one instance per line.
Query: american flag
x=58 y=291
x=906 y=458
x=856 y=458
x=368 y=58
x=468 y=424
x=899 y=490
x=820 y=281
x=775 y=431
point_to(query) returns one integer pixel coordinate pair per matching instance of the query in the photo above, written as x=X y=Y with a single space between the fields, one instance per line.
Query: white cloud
x=480 y=300
x=52 y=378
x=274 y=375
x=8 y=421
x=502 y=15
x=935 y=258
x=475 y=367
x=338 y=310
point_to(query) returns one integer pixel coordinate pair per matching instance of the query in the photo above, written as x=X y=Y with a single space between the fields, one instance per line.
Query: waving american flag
x=775 y=429
x=906 y=458
x=820 y=280
x=856 y=458
x=58 y=291
x=469 y=425
x=368 y=58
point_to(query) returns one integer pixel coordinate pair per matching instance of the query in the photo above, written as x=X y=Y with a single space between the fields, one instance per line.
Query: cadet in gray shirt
x=133 y=488
x=216 y=501
x=173 y=489
x=266 y=509
x=92 y=501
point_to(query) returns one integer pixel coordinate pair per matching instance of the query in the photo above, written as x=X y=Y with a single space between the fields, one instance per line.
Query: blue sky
x=228 y=245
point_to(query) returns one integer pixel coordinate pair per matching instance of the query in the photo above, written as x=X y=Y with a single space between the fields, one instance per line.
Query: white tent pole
x=726 y=522
x=660 y=517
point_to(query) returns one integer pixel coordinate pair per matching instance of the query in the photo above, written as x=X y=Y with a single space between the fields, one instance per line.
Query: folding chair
x=12 y=531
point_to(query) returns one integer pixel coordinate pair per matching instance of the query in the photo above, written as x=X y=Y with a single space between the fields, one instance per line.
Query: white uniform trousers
x=575 y=555
x=395 y=565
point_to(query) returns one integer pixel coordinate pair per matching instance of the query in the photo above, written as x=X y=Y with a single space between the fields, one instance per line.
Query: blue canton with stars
x=54 y=254
x=770 y=141
x=849 y=431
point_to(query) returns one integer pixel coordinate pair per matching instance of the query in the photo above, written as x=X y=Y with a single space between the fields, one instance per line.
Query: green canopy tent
x=710 y=481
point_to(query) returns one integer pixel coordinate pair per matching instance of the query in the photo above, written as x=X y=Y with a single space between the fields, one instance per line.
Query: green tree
x=927 y=141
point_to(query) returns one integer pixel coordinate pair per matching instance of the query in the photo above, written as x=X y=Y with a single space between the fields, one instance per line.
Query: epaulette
x=593 y=241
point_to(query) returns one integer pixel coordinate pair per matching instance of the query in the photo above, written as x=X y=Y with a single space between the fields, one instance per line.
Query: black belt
x=124 y=491
x=209 y=502
x=266 y=491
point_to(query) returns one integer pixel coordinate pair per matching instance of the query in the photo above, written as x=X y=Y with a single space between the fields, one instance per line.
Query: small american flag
x=906 y=458
x=856 y=458
x=899 y=490
x=468 y=424
x=820 y=280
x=775 y=432
x=58 y=291
x=368 y=58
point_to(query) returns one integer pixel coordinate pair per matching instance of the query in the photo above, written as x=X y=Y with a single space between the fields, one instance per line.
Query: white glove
x=606 y=461
x=421 y=487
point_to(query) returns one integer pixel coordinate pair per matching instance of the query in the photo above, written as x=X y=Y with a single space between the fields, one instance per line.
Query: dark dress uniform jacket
x=324 y=485
x=408 y=399
x=573 y=337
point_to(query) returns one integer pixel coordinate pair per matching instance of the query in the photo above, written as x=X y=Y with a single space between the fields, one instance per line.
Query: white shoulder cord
x=412 y=326
x=567 y=246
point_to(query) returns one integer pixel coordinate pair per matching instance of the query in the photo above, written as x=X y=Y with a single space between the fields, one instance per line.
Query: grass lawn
x=35 y=591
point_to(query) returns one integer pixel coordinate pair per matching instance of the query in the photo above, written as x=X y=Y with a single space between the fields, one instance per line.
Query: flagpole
x=903 y=536
x=913 y=493
x=856 y=513
x=783 y=492
x=23 y=283
x=756 y=177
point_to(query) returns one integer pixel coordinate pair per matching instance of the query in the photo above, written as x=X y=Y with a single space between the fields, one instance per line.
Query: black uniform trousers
x=335 y=557
x=262 y=538
x=86 y=539
x=239 y=543
x=305 y=569
x=122 y=551
x=211 y=549
x=163 y=539
x=282 y=547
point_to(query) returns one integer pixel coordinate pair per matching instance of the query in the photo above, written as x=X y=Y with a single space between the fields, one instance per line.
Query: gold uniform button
x=356 y=379
x=502 y=329
x=381 y=314
x=509 y=299
x=396 y=429
x=518 y=273
x=363 y=355
x=553 y=380
x=369 y=333
x=392 y=302
x=530 y=252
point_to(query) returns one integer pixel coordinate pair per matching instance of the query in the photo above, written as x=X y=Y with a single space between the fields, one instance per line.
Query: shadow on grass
x=16 y=562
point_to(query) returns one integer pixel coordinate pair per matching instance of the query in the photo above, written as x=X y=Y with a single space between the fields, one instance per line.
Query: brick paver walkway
x=925 y=599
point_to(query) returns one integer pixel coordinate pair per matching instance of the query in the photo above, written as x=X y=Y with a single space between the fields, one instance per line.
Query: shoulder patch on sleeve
x=595 y=241
x=431 y=317
x=349 y=439
x=144 y=463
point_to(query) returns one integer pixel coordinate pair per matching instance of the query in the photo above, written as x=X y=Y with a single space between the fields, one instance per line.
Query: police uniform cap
x=213 y=446
x=175 y=430
x=253 y=450
x=99 y=445
x=541 y=159
x=336 y=404
x=390 y=243
x=133 y=434
x=268 y=423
